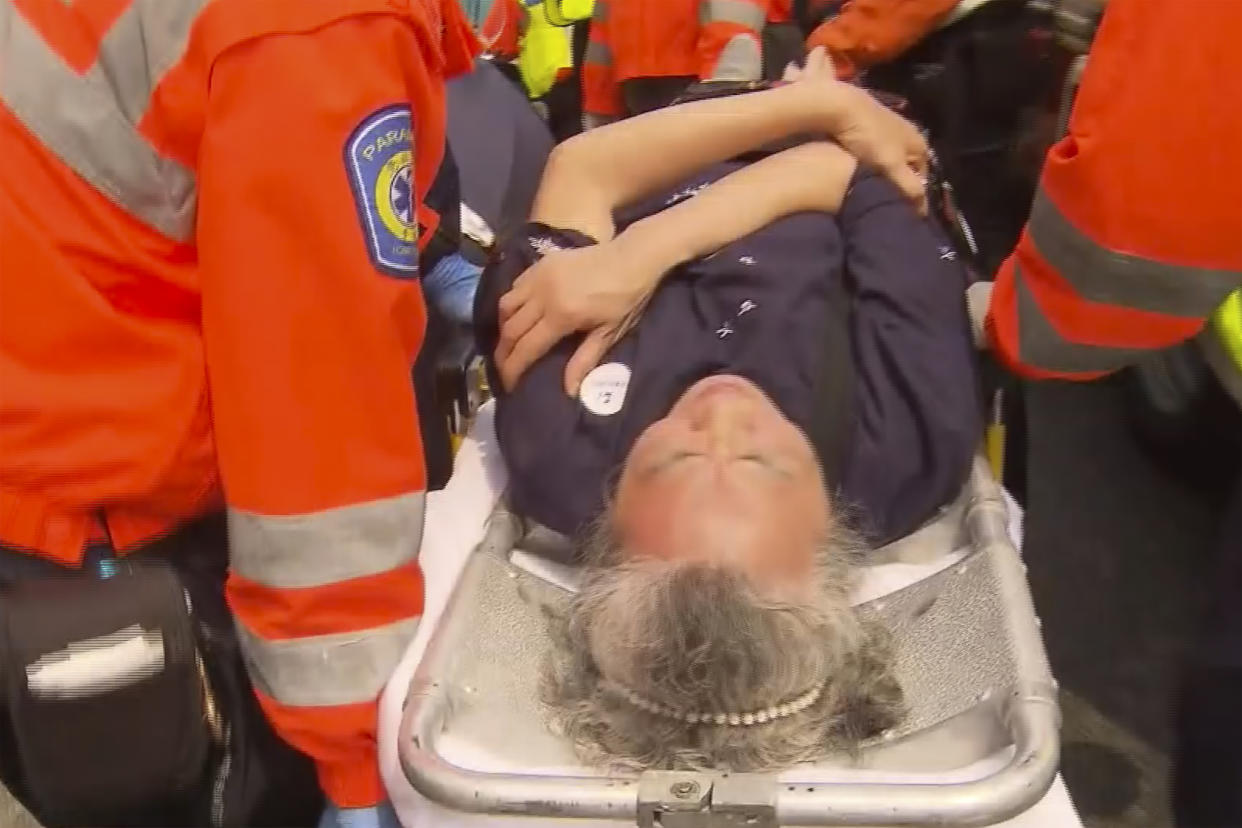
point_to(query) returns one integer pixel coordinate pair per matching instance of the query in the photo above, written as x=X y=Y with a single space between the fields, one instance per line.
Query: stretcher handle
x=1005 y=794
x=1031 y=717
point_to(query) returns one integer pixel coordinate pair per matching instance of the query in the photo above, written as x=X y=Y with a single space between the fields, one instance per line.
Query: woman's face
x=725 y=478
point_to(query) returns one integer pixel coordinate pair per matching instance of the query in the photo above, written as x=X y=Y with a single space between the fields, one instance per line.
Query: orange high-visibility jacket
x=867 y=32
x=1135 y=235
x=208 y=224
x=663 y=38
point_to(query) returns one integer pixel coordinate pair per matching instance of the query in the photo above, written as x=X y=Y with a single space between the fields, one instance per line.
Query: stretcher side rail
x=689 y=800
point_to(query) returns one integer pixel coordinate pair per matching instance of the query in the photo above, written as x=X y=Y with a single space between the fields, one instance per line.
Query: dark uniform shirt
x=758 y=308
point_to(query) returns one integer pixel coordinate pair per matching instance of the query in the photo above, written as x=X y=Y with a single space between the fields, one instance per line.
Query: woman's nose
x=724 y=420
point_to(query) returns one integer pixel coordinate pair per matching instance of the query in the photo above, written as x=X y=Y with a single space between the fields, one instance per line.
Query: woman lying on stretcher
x=760 y=369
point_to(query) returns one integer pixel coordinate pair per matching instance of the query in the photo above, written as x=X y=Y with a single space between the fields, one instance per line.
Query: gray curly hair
x=690 y=636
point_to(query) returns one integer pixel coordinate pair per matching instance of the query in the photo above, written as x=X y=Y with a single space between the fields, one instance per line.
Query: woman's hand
x=601 y=289
x=818 y=66
x=873 y=133
x=880 y=138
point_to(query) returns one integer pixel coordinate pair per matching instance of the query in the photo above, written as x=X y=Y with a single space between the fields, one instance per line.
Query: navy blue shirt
x=757 y=308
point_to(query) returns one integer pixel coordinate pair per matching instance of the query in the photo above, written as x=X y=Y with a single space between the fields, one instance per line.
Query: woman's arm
x=592 y=174
x=917 y=412
x=812 y=177
x=603 y=288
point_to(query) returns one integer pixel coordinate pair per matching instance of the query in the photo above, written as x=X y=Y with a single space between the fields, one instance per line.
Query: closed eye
x=766 y=463
x=675 y=458
x=667 y=463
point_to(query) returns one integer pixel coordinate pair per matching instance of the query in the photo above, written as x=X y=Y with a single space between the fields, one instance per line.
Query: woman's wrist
x=653 y=246
x=832 y=104
x=830 y=169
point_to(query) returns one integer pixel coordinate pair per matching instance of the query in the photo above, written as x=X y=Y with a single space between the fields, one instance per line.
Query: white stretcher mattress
x=454 y=526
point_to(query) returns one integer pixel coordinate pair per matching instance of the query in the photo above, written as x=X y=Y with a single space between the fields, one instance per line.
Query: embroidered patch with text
x=379 y=157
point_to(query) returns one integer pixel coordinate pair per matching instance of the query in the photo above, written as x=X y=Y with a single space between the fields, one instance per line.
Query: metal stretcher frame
x=1029 y=712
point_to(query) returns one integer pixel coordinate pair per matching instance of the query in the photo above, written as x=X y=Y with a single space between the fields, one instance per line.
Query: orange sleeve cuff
x=340 y=740
x=352 y=784
x=867 y=32
x=827 y=36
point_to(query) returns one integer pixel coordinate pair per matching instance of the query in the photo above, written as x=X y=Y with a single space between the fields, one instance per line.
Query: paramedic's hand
x=600 y=290
x=377 y=816
x=872 y=132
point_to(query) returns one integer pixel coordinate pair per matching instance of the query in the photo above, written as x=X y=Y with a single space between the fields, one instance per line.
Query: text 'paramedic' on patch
x=379 y=157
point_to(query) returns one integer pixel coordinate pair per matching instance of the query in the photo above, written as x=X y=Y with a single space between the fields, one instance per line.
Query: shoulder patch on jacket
x=379 y=158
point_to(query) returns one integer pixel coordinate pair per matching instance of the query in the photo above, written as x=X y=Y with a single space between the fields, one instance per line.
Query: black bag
x=77 y=683
x=256 y=778
x=189 y=746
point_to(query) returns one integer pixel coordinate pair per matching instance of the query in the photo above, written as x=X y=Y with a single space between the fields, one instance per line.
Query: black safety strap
x=832 y=422
x=444 y=197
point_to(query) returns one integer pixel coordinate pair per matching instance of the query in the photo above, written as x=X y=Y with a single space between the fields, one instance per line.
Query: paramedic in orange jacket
x=209 y=227
x=1134 y=239
x=676 y=41
x=1135 y=235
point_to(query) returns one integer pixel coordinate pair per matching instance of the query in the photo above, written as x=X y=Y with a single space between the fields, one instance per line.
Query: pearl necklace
x=757 y=717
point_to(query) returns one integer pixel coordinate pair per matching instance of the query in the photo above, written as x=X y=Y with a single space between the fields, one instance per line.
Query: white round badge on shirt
x=603 y=390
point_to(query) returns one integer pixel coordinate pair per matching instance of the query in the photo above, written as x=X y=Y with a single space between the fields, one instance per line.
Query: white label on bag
x=97 y=665
x=603 y=390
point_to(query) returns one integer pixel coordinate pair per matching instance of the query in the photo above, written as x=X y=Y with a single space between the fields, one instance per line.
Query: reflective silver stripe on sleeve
x=326 y=670
x=1110 y=277
x=731 y=11
x=598 y=54
x=740 y=60
x=89 y=120
x=326 y=547
x=1040 y=346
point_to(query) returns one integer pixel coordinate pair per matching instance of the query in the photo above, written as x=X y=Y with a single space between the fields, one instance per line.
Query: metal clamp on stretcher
x=979 y=744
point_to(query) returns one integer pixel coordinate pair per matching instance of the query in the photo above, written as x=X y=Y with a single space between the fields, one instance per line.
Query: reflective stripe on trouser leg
x=88 y=120
x=731 y=11
x=1099 y=274
x=326 y=547
x=326 y=670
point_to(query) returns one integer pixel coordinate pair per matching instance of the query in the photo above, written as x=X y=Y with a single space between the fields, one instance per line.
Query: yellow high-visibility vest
x=543 y=50
x=1221 y=345
x=567 y=12
x=1227 y=324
